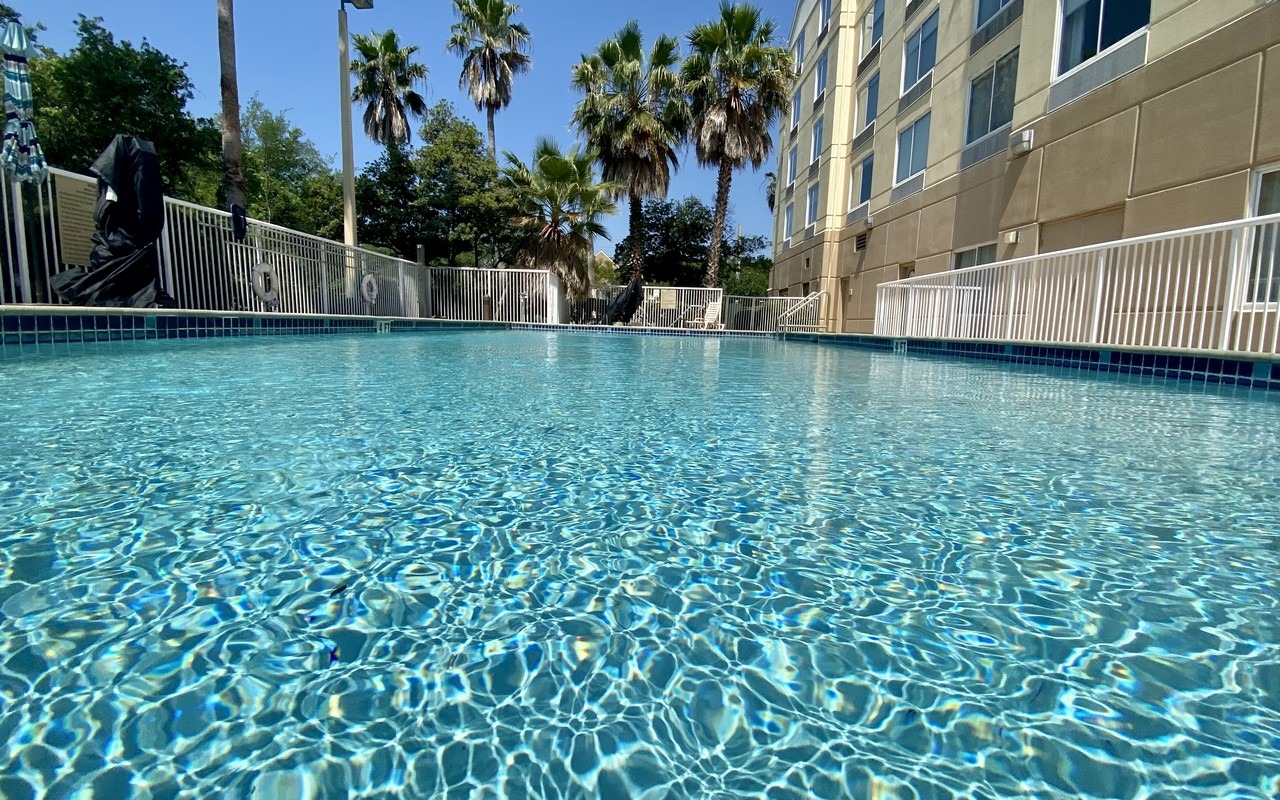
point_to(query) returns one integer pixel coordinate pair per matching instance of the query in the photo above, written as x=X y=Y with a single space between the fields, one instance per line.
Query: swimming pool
x=523 y=564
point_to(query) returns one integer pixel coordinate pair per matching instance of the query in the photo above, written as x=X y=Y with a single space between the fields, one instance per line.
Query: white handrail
x=1214 y=288
x=807 y=304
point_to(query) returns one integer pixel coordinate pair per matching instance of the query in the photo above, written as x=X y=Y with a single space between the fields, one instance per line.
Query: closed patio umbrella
x=21 y=156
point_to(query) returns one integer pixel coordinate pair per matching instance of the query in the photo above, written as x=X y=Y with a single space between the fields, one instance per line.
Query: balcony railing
x=1207 y=289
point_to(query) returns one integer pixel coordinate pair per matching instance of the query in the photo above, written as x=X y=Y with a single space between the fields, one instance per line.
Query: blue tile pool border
x=1217 y=368
x=28 y=330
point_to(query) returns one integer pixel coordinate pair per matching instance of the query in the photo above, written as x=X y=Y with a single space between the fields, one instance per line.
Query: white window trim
x=819 y=91
x=825 y=10
x=955 y=254
x=795 y=110
x=861 y=101
x=793 y=166
x=856 y=185
x=864 y=47
x=1057 y=48
x=788 y=233
x=1255 y=197
x=1003 y=6
x=811 y=204
x=968 y=101
x=816 y=151
x=907 y=89
x=897 y=149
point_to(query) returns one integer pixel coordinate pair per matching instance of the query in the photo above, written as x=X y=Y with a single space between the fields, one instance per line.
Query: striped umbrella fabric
x=21 y=155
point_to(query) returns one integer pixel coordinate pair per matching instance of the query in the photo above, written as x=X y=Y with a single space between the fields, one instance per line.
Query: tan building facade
x=933 y=135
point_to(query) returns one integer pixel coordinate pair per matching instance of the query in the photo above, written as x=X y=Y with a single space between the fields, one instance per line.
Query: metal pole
x=344 y=101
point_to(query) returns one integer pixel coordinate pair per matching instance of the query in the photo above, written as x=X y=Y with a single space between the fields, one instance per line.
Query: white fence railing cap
x=1217 y=227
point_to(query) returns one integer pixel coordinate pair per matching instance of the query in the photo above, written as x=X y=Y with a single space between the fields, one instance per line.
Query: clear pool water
x=586 y=566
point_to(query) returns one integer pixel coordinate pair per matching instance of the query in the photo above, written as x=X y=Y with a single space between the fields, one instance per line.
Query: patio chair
x=710 y=319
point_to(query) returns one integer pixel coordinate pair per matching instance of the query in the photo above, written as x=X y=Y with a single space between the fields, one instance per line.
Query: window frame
x=799 y=53
x=795 y=109
x=824 y=15
x=1248 y=302
x=1058 y=74
x=821 y=75
x=817 y=138
x=793 y=165
x=995 y=252
x=811 y=204
x=936 y=18
x=864 y=47
x=898 y=148
x=875 y=77
x=789 y=221
x=968 y=108
x=855 y=185
x=978 y=23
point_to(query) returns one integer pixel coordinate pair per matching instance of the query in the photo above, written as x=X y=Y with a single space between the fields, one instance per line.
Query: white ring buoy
x=265 y=285
x=369 y=289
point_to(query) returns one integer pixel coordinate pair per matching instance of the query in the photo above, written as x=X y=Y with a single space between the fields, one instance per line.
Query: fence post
x=1097 y=298
x=1013 y=297
x=1233 y=290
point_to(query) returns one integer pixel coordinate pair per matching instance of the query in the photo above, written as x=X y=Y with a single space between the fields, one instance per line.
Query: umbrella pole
x=20 y=240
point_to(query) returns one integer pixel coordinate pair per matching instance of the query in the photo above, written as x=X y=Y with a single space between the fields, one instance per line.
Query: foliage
x=606 y=272
x=389 y=214
x=738 y=82
x=635 y=117
x=493 y=50
x=102 y=87
x=677 y=239
x=470 y=222
x=289 y=182
x=385 y=76
x=560 y=204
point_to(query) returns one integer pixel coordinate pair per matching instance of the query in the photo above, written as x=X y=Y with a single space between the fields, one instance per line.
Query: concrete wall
x=1172 y=144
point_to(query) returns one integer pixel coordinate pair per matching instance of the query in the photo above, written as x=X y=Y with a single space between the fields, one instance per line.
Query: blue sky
x=287 y=54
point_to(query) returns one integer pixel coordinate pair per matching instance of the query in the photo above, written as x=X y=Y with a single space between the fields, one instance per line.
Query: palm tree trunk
x=635 y=258
x=717 y=223
x=232 y=146
x=493 y=139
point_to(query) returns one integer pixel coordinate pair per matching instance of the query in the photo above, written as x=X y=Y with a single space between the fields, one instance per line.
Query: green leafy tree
x=386 y=196
x=738 y=82
x=102 y=87
x=492 y=48
x=386 y=75
x=468 y=212
x=284 y=171
x=635 y=117
x=560 y=203
x=747 y=266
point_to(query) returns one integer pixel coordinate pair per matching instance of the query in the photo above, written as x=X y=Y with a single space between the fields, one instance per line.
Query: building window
x=1090 y=27
x=991 y=97
x=824 y=17
x=799 y=52
x=795 y=110
x=788 y=226
x=870 y=99
x=872 y=27
x=988 y=9
x=1264 y=274
x=820 y=77
x=921 y=52
x=793 y=161
x=811 y=215
x=913 y=149
x=817 y=140
x=986 y=254
x=860 y=187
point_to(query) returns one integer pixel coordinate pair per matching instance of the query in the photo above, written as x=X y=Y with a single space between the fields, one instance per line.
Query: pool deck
x=35 y=329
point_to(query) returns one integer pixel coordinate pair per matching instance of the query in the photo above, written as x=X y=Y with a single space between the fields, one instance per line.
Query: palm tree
x=560 y=204
x=635 y=117
x=738 y=82
x=232 y=142
x=385 y=78
x=771 y=188
x=492 y=49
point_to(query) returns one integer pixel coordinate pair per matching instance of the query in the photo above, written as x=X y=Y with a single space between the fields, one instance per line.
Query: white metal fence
x=47 y=229
x=805 y=315
x=1213 y=288
x=688 y=307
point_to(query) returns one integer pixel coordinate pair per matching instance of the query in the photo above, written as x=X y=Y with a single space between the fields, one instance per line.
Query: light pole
x=344 y=85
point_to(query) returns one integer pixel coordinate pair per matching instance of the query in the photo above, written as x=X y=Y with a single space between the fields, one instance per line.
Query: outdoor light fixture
x=363 y=5
x=344 y=101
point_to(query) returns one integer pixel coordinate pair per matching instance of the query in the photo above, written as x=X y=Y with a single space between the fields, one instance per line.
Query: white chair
x=710 y=319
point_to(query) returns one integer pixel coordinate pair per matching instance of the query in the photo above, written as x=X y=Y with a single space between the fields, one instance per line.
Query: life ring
x=369 y=289
x=265 y=285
